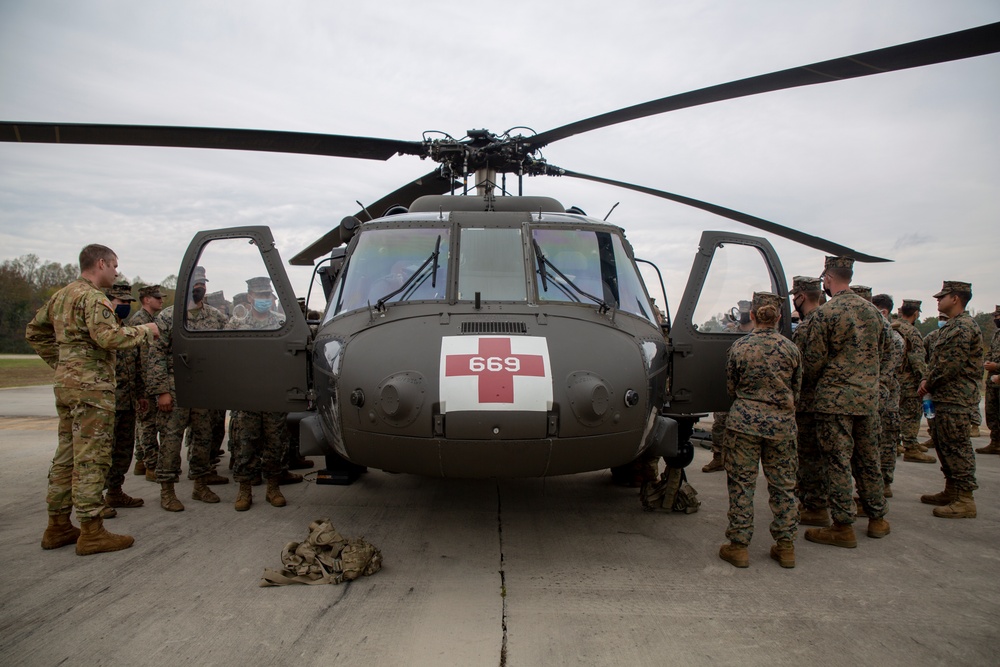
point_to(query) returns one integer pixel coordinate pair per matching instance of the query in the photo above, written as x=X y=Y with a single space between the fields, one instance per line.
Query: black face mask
x=827 y=292
x=197 y=294
x=122 y=310
x=996 y=322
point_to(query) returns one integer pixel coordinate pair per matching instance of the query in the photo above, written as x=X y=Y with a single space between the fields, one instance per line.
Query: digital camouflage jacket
x=764 y=376
x=956 y=366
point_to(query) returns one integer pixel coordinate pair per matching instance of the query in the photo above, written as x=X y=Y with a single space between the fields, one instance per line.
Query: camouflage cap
x=259 y=285
x=839 y=263
x=996 y=313
x=744 y=306
x=864 y=291
x=151 y=290
x=240 y=298
x=198 y=276
x=911 y=303
x=120 y=290
x=216 y=299
x=805 y=284
x=950 y=286
x=766 y=299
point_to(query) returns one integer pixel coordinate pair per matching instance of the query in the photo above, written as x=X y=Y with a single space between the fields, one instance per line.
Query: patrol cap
x=911 y=303
x=260 y=285
x=216 y=299
x=120 y=290
x=198 y=275
x=838 y=263
x=864 y=291
x=805 y=284
x=951 y=286
x=745 y=306
x=766 y=299
x=151 y=290
x=996 y=313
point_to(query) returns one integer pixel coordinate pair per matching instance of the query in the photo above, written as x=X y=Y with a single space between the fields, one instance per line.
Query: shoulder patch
x=107 y=312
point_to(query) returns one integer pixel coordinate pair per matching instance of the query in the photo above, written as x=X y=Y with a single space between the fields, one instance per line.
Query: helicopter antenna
x=365 y=209
x=612 y=210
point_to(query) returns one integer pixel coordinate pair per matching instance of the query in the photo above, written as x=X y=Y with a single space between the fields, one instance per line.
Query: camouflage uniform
x=953 y=381
x=845 y=345
x=993 y=390
x=911 y=372
x=75 y=333
x=812 y=476
x=929 y=341
x=764 y=375
x=128 y=390
x=889 y=393
x=160 y=380
x=146 y=445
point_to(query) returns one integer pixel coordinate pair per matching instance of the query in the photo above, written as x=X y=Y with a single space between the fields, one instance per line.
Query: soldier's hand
x=995 y=379
x=991 y=366
x=155 y=329
x=165 y=402
x=922 y=389
x=143 y=404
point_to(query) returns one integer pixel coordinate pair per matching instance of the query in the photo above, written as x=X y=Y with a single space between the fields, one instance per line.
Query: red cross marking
x=495 y=367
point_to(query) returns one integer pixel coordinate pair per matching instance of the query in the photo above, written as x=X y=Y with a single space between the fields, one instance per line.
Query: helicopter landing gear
x=339 y=471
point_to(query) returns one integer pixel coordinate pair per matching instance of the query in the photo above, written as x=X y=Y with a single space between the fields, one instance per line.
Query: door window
x=736 y=272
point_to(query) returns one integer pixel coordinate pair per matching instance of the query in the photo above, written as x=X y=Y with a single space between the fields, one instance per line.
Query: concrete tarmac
x=559 y=571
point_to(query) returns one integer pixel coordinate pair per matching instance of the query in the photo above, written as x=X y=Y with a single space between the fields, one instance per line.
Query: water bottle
x=928 y=407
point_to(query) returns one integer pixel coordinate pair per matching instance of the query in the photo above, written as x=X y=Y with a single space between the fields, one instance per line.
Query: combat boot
x=94 y=539
x=784 y=553
x=928 y=444
x=108 y=512
x=988 y=449
x=888 y=490
x=922 y=447
x=202 y=492
x=274 y=493
x=974 y=431
x=963 y=507
x=715 y=465
x=916 y=456
x=60 y=532
x=140 y=467
x=212 y=478
x=819 y=517
x=244 y=499
x=288 y=478
x=946 y=497
x=878 y=528
x=735 y=554
x=118 y=498
x=168 y=499
x=150 y=474
x=859 y=509
x=838 y=535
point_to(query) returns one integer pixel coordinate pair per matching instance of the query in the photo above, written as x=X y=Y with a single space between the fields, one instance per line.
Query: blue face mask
x=122 y=310
x=262 y=305
x=941 y=323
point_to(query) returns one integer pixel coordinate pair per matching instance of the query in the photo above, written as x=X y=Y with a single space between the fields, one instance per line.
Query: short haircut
x=909 y=311
x=882 y=302
x=843 y=274
x=93 y=253
x=964 y=297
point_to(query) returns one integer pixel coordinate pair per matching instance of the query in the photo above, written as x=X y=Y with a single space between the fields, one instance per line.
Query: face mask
x=827 y=292
x=941 y=323
x=795 y=325
x=122 y=310
x=197 y=294
x=262 y=305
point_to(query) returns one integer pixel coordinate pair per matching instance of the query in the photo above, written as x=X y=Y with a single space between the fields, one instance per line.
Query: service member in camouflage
x=843 y=350
x=75 y=333
x=888 y=381
x=911 y=372
x=811 y=488
x=742 y=324
x=130 y=398
x=929 y=340
x=953 y=381
x=147 y=446
x=992 y=366
x=763 y=375
x=259 y=438
x=172 y=420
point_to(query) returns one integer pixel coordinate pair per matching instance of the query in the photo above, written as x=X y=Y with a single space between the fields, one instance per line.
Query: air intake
x=494 y=328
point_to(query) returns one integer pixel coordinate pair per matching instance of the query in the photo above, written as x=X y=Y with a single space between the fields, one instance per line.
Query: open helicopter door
x=251 y=352
x=714 y=313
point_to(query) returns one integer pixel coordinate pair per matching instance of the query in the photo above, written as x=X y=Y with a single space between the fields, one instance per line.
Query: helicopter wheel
x=685 y=455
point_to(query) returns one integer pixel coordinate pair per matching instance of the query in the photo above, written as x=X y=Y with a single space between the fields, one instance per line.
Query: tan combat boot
x=927 y=444
x=150 y=474
x=140 y=467
x=988 y=449
x=888 y=490
x=963 y=507
x=715 y=465
x=946 y=497
x=784 y=553
x=118 y=498
x=60 y=533
x=288 y=478
x=168 y=499
x=818 y=517
x=94 y=539
x=274 y=493
x=244 y=499
x=212 y=479
x=838 y=535
x=735 y=554
x=916 y=456
x=878 y=528
x=974 y=431
x=202 y=492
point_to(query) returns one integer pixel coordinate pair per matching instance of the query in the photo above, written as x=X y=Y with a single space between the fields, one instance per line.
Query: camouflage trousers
x=954 y=449
x=147 y=446
x=121 y=450
x=780 y=464
x=850 y=446
x=812 y=484
x=171 y=426
x=993 y=415
x=260 y=440
x=718 y=431
x=888 y=443
x=83 y=455
x=910 y=411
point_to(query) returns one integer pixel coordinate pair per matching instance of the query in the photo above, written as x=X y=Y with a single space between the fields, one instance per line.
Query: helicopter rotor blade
x=747 y=219
x=969 y=43
x=368 y=148
x=428 y=184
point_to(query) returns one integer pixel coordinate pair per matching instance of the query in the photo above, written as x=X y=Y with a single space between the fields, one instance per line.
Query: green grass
x=24 y=371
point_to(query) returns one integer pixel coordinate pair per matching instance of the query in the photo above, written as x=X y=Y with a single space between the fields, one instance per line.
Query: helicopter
x=471 y=331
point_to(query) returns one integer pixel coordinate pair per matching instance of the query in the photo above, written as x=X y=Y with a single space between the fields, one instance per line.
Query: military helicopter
x=486 y=335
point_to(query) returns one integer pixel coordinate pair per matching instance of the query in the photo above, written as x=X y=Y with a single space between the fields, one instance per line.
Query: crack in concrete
x=503 y=582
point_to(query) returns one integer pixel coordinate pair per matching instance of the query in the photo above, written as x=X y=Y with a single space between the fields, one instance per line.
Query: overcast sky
x=902 y=165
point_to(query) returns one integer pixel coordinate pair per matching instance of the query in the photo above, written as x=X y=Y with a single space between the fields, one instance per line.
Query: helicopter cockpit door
x=249 y=352
x=714 y=313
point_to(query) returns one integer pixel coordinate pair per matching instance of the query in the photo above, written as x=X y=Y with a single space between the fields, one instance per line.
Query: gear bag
x=671 y=493
x=325 y=557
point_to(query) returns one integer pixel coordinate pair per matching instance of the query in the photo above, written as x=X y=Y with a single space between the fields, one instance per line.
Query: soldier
x=812 y=483
x=763 y=375
x=172 y=420
x=889 y=392
x=843 y=350
x=74 y=333
x=911 y=372
x=929 y=340
x=743 y=324
x=146 y=445
x=259 y=438
x=953 y=381
x=130 y=395
x=992 y=366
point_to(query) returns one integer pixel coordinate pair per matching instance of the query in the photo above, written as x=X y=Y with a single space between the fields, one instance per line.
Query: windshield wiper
x=380 y=304
x=544 y=261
